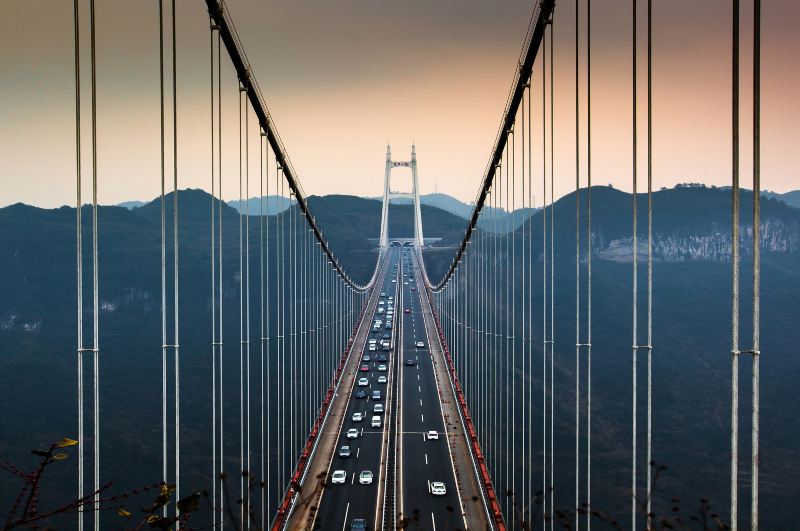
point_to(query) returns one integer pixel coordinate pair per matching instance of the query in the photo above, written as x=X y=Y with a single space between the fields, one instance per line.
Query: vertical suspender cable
x=735 y=272
x=530 y=307
x=95 y=282
x=241 y=321
x=164 y=460
x=588 y=264
x=544 y=283
x=247 y=468
x=755 y=456
x=526 y=459
x=218 y=479
x=649 y=262
x=513 y=342
x=552 y=284
x=635 y=256
x=577 y=269
x=213 y=290
x=176 y=276
x=79 y=251
x=261 y=169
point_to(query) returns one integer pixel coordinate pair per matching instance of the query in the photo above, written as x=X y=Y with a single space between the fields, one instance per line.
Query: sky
x=342 y=78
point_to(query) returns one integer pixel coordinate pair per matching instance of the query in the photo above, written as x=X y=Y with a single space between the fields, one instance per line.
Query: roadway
x=422 y=460
x=340 y=504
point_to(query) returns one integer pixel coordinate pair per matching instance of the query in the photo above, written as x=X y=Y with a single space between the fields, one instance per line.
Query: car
x=394 y=281
x=381 y=357
x=372 y=348
x=380 y=311
x=381 y=368
x=365 y=477
x=388 y=326
x=407 y=310
x=383 y=294
x=338 y=477
x=358 y=523
x=381 y=303
x=358 y=416
x=433 y=435
x=386 y=345
x=410 y=362
x=344 y=451
x=420 y=344
x=372 y=341
x=375 y=423
x=406 y=283
x=377 y=408
x=352 y=433
x=361 y=394
x=438 y=488
x=376 y=394
x=381 y=379
x=387 y=336
x=413 y=289
x=367 y=358
x=363 y=382
x=376 y=327
x=364 y=368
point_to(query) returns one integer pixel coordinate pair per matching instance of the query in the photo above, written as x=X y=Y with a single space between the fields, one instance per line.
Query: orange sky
x=341 y=78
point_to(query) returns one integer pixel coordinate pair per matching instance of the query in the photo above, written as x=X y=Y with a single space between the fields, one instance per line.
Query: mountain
x=790 y=198
x=273 y=204
x=691 y=334
x=130 y=205
x=495 y=219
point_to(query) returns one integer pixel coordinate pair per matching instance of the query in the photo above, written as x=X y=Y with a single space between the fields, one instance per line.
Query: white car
x=420 y=344
x=372 y=347
x=438 y=488
x=352 y=433
x=338 y=477
x=381 y=379
x=433 y=435
x=344 y=451
x=394 y=281
x=365 y=477
x=381 y=368
x=375 y=422
x=363 y=382
x=377 y=408
x=358 y=417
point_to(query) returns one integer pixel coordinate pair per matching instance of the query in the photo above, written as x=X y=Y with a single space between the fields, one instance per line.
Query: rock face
x=777 y=236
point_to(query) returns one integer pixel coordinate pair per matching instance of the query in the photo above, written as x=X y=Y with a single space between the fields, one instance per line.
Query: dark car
x=410 y=362
x=407 y=310
x=387 y=336
x=381 y=357
x=358 y=523
x=367 y=357
x=361 y=394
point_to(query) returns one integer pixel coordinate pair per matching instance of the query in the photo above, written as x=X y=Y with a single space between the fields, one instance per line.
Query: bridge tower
x=388 y=195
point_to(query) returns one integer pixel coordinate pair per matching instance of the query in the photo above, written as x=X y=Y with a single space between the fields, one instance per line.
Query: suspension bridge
x=413 y=399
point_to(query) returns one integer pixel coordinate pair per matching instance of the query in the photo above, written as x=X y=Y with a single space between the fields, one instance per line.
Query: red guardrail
x=483 y=470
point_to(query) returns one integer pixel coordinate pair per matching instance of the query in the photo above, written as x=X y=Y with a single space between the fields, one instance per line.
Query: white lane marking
x=433 y=522
x=358 y=451
x=426 y=459
x=419 y=388
x=418 y=377
x=353 y=479
x=420 y=402
x=347 y=510
x=429 y=485
x=422 y=417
